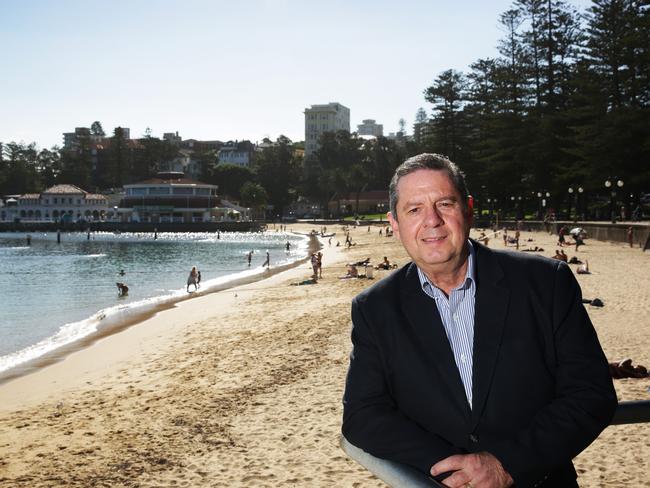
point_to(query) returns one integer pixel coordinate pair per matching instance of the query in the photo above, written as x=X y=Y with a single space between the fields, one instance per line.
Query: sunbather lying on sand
x=624 y=369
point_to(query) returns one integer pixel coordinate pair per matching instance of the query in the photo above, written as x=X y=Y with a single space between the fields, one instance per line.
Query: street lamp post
x=381 y=208
x=543 y=199
x=573 y=195
x=609 y=184
x=578 y=201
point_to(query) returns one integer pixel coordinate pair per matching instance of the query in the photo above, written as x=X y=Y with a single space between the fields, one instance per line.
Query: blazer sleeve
x=371 y=420
x=585 y=399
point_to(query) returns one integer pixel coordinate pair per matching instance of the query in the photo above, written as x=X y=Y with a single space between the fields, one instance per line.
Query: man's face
x=432 y=222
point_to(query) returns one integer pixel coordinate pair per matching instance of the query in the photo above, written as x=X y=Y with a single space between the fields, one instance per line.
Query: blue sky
x=228 y=70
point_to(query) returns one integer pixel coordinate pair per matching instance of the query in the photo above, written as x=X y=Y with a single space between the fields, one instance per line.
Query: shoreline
x=108 y=353
x=61 y=352
x=243 y=387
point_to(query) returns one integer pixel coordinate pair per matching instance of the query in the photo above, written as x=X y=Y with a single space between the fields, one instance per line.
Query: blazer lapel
x=422 y=314
x=491 y=307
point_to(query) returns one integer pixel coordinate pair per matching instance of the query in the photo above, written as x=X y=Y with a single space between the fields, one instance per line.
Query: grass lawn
x=363 y=217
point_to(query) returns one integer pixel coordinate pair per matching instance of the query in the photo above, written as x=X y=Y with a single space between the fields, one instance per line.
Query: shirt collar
x=470 y=275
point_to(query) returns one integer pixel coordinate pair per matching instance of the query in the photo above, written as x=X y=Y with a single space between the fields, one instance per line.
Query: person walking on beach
x=249 y=257
x=267 y=263
x=561 y=233
x=479 y=367
x=517 y=236
x=578 y=240
x=191 y=279
x=314 y=264
x=198 y=278
x=319 y=255
x=288 y=246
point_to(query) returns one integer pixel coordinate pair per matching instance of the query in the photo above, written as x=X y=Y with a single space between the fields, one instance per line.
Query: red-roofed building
x=171 y=197
x=66 y=203
x=362 y=202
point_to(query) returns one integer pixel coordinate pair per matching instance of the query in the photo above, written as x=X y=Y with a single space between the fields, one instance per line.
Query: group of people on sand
x=578 y=237
x=387 y=231
x=351 y=270
x=583 y=268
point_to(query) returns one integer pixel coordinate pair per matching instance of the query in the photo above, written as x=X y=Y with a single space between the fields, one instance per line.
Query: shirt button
x=463 y=358
x=473 y=438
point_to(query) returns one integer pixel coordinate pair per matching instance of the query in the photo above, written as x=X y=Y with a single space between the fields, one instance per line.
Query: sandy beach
x=243 y=387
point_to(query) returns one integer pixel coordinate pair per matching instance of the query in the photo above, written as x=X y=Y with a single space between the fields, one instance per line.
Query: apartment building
x=370 y=127
x=329 y=117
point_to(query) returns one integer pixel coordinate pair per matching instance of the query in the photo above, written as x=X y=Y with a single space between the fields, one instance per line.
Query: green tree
x=420 y=130
x=151 y=152
x=382 y=157
x=230 y=178
x=120 y=159
x=253 y=195
x=20 y=169
x=447 y=94
x=49 y=166
x=77 y=163
x=341 y=161
x=278 y=171
x=96 y=129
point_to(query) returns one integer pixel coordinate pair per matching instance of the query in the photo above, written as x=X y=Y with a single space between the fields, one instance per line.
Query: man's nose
x=432 y=217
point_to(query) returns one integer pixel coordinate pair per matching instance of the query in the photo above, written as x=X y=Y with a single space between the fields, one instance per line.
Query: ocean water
x=53 y=294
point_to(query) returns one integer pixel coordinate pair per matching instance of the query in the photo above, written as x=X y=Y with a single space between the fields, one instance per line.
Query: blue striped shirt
x=457 y=315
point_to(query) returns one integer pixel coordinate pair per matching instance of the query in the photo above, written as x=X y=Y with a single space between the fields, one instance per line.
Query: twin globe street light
x=609 y=184
x=579 y=192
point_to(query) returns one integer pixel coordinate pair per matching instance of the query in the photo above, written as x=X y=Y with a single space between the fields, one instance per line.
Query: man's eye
x=413 y=210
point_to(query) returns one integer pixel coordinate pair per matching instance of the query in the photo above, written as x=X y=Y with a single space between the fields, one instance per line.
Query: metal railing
x=633 y=412
x=401 y=475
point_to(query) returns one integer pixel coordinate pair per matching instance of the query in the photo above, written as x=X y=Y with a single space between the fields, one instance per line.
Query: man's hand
x=480 y=470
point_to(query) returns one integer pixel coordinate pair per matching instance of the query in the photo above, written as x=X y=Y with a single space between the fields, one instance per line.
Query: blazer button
x=473 y=438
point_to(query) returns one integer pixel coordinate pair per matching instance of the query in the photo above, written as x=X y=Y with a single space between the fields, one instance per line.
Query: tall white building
x=330 y=117
x=370 y=127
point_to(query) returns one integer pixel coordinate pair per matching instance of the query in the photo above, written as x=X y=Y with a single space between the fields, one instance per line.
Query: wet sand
x=243 y=387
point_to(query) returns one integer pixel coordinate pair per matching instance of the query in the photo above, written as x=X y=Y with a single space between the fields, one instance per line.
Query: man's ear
x=469 y=216
x=393 y=224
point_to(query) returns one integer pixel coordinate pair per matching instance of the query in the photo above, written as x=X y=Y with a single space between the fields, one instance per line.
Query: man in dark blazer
x=477 y=366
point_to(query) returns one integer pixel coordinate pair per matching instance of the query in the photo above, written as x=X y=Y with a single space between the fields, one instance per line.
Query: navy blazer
x=541 y=385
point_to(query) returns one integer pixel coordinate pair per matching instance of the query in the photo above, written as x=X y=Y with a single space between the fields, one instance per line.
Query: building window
x=55 y=200
x=159 y=190
x=183 y=191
